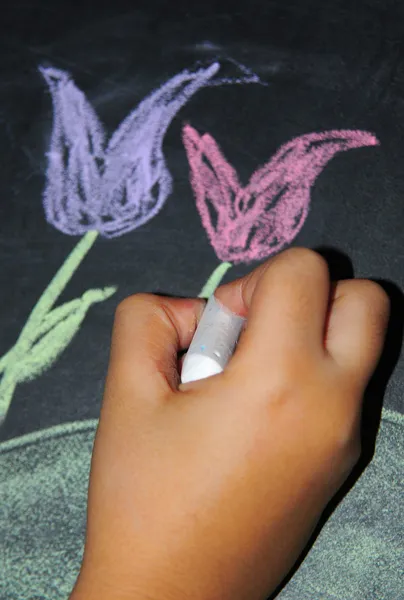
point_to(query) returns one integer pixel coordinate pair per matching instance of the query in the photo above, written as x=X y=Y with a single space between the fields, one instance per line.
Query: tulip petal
x=76 y=147
x=282 y=187
x=215 y=184
x=136 y=181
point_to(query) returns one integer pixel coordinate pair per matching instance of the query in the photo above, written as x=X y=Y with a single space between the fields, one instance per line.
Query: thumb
x=148 y=333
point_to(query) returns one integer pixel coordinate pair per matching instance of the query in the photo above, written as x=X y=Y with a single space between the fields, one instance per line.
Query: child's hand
x=210 y=490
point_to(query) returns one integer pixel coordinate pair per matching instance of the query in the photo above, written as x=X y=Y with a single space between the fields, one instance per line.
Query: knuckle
x=347 y=449
x=288 y=378
x=371 y=299
x=354 y=450
x=375 y=296
x=306 y=260
x=343 y=437
x=132 y=303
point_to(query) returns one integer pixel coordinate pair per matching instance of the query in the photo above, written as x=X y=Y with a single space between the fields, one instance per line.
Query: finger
x=148 y=333
x=359 y=313
x=286 y=302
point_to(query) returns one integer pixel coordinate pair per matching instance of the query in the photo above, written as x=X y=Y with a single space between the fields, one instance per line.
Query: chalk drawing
x=117 y=188
x=214 y=280
x=96 y=188
x=256 y=221
x=48 y=330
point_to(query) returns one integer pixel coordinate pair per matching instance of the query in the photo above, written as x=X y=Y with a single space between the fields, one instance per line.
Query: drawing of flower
x=114 y=188
x=93 y=188
x=256 y=221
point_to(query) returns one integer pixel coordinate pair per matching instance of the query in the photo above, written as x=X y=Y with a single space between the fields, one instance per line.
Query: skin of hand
x=210 y=490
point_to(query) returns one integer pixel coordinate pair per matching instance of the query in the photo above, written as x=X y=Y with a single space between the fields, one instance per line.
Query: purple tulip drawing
x=96 y=188
x=113 y=188
x=253 y=222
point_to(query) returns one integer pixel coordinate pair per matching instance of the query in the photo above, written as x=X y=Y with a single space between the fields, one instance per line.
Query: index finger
x=286 y=301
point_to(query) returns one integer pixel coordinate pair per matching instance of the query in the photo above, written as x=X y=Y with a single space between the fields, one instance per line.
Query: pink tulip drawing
x=256 y=221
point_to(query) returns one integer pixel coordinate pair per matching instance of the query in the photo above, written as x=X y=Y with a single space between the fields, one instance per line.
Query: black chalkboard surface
x=154 y=146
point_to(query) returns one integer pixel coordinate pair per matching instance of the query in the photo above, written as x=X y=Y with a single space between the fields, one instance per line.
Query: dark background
x=328 y=65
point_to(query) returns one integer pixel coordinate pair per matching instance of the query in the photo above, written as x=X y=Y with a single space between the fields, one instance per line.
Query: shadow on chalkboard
x=341 y=268
x=339 y=264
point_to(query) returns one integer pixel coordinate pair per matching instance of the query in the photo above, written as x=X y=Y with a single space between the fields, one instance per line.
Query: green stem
x=214 y=280
x=57 y=285
x=11 y=362
x=5 y=359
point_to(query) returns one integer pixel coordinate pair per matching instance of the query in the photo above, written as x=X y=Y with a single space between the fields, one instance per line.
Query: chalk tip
x=197 y=366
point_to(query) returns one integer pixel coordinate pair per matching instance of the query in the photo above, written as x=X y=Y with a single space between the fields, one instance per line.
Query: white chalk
x=214 y=342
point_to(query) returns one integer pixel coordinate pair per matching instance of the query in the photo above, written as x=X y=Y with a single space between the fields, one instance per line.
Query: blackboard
x=116 y=123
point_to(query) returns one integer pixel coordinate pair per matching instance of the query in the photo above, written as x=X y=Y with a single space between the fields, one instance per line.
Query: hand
x=210 y=490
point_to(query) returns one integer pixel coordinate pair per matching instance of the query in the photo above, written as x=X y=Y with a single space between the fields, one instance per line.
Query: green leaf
x=5 y=359
x=56 y=333
x=56 y=287
x=51 y=336
x=54 y=317
x=61 y=313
